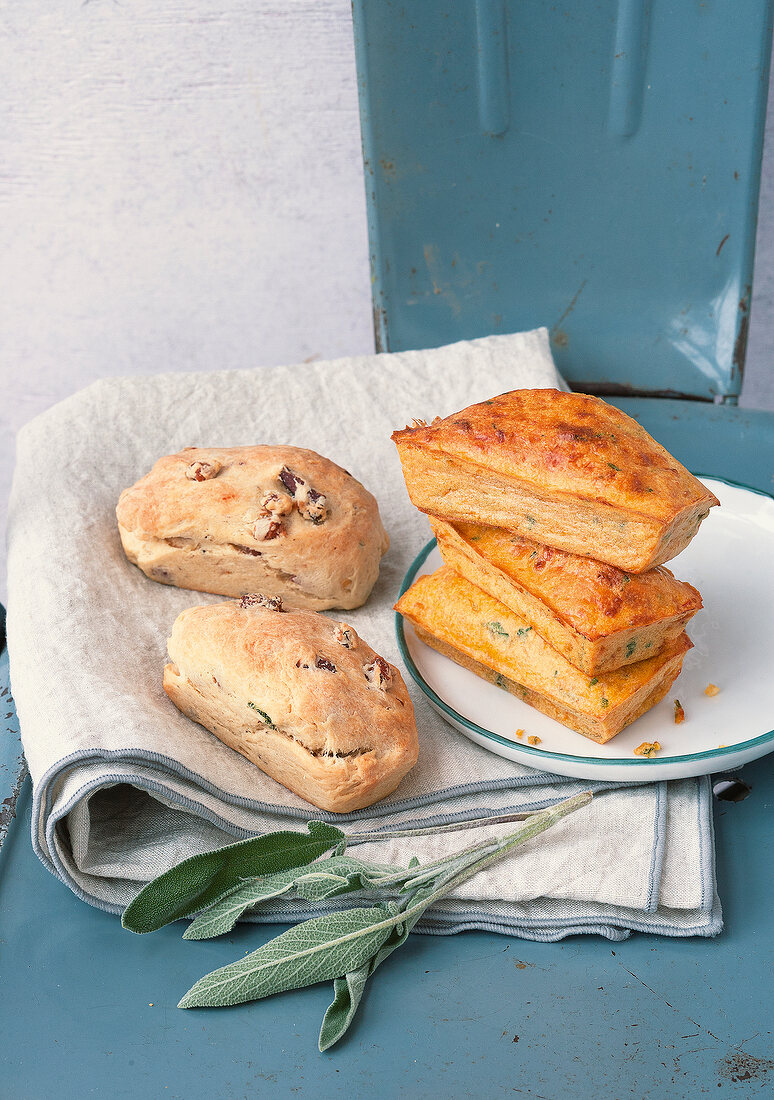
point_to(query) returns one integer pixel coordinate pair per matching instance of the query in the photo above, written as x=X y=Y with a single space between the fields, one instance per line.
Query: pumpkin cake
x=475 y=630
x=565 y=469
x=595 y=615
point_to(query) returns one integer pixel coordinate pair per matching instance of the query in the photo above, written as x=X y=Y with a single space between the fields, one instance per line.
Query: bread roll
x=299 y=695
x=279 y=520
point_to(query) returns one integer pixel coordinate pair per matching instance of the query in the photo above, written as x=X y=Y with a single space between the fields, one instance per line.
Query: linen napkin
x=125 y=786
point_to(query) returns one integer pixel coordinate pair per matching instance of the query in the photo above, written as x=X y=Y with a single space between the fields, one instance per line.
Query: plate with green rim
x=731 y=562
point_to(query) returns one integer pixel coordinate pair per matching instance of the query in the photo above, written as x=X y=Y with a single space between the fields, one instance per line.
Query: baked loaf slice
x=469 y=626
x=299 y=695
x=595 y=615
x=280 y=520
x=564 y=469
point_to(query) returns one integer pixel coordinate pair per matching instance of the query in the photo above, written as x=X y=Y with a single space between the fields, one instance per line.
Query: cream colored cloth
x=125 y=786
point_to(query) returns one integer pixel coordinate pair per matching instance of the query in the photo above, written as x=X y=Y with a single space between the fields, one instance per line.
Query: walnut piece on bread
x=275 y=519
x=282 y=690
x=564 y=469
x=278 y=504
x=257 y=599
x=202 y=471
x=312 y=505
x=378 y=673
x=345 y=635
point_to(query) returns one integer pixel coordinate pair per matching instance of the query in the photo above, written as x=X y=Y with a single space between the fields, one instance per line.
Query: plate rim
x=547 y=754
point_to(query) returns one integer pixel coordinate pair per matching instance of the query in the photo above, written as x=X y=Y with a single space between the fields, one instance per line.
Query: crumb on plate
x=711 y=689
x=648 y=748
x=519 y=733
x=533 y=740
x=679 y=712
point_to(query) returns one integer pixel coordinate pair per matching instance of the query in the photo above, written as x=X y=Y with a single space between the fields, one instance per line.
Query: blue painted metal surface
x=591 y=167
x=88 y=1009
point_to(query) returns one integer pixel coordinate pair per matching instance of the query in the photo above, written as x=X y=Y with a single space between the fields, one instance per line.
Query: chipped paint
x=742 y=332
x=431 y=263
x=434 y=268
x=380 y=328
x=741 y=1066
x=556 y=332
x=8 y=805
x=13 y=767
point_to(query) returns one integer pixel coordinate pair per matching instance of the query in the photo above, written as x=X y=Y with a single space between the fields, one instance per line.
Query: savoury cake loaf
x=469 y=626
x=565 y=469
x=231 y=520
x=301 y=696
x=594 y=614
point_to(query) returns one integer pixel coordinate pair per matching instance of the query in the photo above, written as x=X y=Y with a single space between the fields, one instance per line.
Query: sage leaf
x=223 y=914
x=328 y=877
x=313 y=951
x=348 y=991
x=347 y=994
x=197 y=882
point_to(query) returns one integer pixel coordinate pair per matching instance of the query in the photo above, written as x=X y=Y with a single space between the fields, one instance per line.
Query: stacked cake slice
x=553 y=513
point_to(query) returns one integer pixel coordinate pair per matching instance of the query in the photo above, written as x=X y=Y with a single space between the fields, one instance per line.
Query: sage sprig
x=346 y=945
x=197 y=882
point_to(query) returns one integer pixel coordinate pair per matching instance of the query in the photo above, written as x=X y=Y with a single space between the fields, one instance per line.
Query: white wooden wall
x=181 y=189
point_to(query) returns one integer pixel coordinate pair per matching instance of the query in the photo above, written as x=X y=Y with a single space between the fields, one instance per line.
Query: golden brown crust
x=299 y=695
x=596 y=615
x=466 y=621
x=223 y=520
x=567 y=443
x=567 y=469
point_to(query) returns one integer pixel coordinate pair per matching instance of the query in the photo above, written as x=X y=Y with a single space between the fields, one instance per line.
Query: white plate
x=731 y=562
